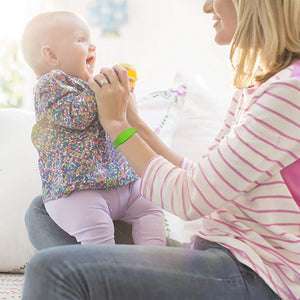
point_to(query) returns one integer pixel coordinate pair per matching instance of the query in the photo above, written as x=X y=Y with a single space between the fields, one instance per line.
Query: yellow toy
x=131 y=72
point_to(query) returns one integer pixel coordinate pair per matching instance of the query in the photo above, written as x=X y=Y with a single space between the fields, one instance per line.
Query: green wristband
x=124 y=136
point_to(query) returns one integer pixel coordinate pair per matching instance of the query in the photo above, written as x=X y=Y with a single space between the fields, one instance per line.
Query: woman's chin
x=221 y=40
x=223 y=35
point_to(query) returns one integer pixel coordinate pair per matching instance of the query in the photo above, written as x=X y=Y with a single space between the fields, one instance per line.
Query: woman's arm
x=147 y=134
x=137 y=152
x=112 y=102
x=258 y=147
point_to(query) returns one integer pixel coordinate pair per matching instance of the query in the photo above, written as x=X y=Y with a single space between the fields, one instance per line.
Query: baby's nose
x=92 y=47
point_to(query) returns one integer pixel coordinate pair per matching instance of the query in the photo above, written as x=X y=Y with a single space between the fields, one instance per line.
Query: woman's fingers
x=111 y=88
x=101 y=80
x=110 y=75
x=131 y=79
x=114 y=76
x=122 y=75
x=94 y=84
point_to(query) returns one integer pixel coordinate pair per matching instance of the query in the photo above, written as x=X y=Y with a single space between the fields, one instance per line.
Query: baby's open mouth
x=90 y=62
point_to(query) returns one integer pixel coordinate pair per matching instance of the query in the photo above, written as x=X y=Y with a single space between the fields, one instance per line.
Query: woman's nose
x=208 y=6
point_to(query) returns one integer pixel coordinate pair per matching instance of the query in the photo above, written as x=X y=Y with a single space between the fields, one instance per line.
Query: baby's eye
x=81 y=40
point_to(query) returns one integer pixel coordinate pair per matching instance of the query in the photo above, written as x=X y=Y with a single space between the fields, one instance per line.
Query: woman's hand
x=112 y=97
x=116 y=109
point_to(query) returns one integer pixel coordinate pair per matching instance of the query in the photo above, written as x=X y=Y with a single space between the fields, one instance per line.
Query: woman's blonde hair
x=267 y=39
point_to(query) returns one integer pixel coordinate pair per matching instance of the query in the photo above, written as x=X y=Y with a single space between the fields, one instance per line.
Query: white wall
x=161 y=38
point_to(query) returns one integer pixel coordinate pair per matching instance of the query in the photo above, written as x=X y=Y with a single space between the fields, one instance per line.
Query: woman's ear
x=49 y=55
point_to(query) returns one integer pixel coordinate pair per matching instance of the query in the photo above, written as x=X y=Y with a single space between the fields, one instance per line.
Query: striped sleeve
x=187 y=164
x=264 y=140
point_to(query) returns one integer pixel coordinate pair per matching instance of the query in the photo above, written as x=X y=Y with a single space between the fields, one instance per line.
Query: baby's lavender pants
x=88 y=215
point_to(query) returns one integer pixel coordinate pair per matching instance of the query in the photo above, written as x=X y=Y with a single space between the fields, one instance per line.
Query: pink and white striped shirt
x=245 y=191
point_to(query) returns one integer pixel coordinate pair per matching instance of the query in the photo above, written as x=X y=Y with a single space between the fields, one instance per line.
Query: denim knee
x=39 y=265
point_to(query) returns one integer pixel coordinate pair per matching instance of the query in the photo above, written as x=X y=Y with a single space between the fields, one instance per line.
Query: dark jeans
x=122 y=272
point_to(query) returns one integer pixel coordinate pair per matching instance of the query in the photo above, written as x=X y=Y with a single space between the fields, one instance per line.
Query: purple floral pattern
x=74 y=152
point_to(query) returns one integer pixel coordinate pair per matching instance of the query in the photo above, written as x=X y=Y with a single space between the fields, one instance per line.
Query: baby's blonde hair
x=267 y=39
x=36 y=33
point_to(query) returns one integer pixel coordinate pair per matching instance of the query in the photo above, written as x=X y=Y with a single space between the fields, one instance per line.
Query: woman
x=243 y=191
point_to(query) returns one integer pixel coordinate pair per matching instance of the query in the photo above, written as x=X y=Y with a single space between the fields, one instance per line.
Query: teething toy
x=130 y=71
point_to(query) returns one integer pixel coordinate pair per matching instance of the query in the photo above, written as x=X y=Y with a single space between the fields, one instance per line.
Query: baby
x=87 y=183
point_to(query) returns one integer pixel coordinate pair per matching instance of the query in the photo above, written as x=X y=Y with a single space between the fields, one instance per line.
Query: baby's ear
x=49 y=56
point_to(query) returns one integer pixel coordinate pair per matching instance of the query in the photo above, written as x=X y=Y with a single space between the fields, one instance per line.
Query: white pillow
x=161 y=110
x=201 y=118
x=19 y=184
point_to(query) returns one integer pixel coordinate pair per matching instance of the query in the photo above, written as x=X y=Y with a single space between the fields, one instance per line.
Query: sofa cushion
x=19 y=184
